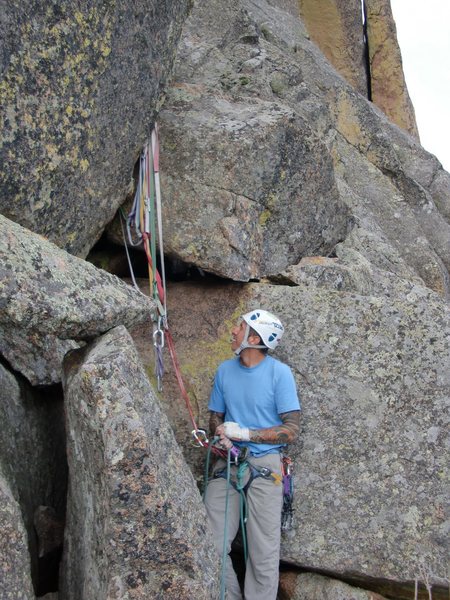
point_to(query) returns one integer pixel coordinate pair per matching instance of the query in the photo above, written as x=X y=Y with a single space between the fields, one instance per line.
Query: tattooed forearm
x=280 y=434
x=215 y=419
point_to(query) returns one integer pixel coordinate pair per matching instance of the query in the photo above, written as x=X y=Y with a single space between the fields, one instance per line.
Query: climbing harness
x=286 y=479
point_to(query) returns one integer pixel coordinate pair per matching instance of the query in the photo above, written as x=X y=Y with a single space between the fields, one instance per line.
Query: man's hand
x=224 y=441
x=234 y=432
x=216 y=429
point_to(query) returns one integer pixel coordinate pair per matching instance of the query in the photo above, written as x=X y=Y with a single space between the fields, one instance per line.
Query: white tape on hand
x=234 y=432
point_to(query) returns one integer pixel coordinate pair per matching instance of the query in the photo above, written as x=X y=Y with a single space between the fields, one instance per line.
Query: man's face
x=237 y=334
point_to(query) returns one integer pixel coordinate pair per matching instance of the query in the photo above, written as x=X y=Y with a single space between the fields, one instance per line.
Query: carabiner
x=158 y=338
x=200 y=437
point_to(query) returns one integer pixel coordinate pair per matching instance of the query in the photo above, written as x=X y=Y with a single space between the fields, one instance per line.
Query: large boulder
x=269 y=156
x=81 y=85
x=263 y=185
x=15 y=572
x=136 y=526
x=50 y=298
x=33 y=455
x=372 y=371
x=251 y=185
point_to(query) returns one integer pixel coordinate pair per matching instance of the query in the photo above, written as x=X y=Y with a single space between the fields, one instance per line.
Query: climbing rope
x=141 y=230
x=143 y=227
x=225 y=532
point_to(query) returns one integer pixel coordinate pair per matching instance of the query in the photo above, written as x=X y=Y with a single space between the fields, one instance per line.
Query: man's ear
x=254 y=340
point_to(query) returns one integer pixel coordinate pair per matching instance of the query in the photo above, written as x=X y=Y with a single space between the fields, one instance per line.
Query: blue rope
x=225 y=533
x=243 y=506
x=206 y=476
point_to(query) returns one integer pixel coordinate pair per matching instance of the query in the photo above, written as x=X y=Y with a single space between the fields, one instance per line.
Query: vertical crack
x=366 y=50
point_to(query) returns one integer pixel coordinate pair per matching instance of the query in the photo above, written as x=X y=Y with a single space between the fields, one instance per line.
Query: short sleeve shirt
x=254 y=397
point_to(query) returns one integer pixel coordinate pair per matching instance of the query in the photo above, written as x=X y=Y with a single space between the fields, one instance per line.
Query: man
x=253 y=404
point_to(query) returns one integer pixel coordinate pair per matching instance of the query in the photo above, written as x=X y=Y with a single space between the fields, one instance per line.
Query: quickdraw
x=141 y=230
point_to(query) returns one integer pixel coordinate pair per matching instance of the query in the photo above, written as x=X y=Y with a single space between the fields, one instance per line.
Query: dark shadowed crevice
x=33 y=448
x=393 y=590
x=112 y=258
x=366 y=51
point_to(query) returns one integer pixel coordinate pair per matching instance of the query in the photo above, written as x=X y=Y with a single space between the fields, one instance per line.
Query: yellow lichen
x=69 y=97
x=201 y=366
x=79 y=18
x=105 y=50
x=348 y=122
x=264 y=217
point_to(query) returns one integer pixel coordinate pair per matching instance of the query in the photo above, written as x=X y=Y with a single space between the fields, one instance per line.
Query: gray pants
x=264 y=499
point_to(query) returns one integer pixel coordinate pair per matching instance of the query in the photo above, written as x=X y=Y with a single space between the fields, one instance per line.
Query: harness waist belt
x=254 y=473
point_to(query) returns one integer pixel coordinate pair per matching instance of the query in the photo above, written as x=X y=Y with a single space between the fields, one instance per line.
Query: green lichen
x=271 y=203
x=265 y=31
x=193 y=251
x=203 y=363
x=264 y=217
x=278 y=84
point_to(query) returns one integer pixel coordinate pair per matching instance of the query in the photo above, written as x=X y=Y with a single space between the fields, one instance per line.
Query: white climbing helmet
x=266 y=325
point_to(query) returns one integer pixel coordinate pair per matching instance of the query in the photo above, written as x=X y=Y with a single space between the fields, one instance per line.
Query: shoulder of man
x=227 y=365
x=279 y=364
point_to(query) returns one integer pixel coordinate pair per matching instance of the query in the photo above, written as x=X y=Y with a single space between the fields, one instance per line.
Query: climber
x=253 y=405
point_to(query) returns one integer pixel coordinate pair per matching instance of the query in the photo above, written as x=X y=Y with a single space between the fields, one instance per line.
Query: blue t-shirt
x=254 y=397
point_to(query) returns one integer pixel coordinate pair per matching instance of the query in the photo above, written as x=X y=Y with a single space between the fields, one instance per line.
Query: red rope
x=176 y=366
x=159 y=284
x=152 y=160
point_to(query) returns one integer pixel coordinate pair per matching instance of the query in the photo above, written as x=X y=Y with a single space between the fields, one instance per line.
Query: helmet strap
x=245 y=343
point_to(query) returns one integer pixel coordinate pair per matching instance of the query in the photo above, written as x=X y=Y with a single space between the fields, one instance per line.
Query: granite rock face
x=81 y=85
x=373 y=374
x=387 y=81
x=50 y=298
x=310 y=586
x=269 y=156
x=15 y=572
x=264 y=183
x=32 y=452
x=366 y=54
x=372 y=371
x=136 y=526
x=336 y=27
